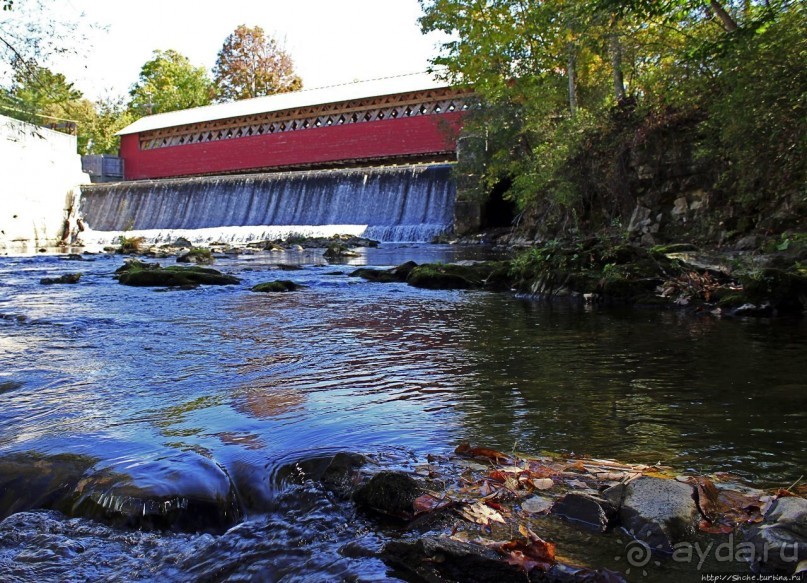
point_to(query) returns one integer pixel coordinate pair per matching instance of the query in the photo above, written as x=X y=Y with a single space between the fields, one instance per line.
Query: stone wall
x=41 y=172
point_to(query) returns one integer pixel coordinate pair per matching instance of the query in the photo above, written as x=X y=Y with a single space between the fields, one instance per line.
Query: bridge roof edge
x=282 y=101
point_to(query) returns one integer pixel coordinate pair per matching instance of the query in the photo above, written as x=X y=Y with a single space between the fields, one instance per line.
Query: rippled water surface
x=143 y=382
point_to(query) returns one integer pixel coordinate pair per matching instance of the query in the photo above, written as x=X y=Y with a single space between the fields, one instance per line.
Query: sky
x=330 y=41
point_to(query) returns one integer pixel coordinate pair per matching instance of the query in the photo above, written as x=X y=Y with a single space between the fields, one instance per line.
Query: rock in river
x=390 y=493
x=657 y=511
x=181 y=491
x=781 y=540
x=175 y=276
x=280 y=285
x=66 y=278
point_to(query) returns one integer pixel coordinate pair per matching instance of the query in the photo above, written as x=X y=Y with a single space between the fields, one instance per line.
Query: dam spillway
x=413 y=203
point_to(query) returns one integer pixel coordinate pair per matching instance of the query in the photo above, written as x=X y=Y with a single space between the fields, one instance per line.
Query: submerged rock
x=175 y=276
x=182 y=491
x=338 y=473
x=280 y=285
x=66 y=278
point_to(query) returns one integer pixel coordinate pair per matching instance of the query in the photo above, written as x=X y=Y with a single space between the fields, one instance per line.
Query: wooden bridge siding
x=390 y=138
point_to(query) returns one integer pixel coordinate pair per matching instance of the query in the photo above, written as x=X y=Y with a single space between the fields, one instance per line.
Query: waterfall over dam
x=412 y=203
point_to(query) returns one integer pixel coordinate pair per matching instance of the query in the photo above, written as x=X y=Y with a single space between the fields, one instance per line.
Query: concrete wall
x=40 y=171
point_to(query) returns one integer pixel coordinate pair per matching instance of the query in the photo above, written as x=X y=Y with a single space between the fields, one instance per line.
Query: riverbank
x=486 y=515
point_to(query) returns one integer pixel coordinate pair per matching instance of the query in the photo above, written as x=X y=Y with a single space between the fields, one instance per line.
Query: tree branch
x=725 y=18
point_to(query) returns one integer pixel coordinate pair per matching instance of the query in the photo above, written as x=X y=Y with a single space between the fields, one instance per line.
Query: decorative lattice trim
x=434 y=102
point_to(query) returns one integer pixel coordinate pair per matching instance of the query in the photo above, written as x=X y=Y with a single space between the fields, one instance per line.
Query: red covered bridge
x=411 y=118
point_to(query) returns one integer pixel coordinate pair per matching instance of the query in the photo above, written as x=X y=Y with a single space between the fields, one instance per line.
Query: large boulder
x=657 y=511
x=181 y=491
x=784 y=291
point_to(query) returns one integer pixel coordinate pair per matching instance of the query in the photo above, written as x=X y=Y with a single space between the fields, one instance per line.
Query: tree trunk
x=616 y=64
x=572 y=72
x=725 y=18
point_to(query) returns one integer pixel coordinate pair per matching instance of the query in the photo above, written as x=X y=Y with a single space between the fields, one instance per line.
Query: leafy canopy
x=560 y=80
x=169 y=82
x=252 y=64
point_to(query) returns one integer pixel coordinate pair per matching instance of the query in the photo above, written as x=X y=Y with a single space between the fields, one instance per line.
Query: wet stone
x=659 y=512
x=780 y=542
x=182 y=491
x=277 y=286
x=66 y=278
x=390 y=493
x=591 y=511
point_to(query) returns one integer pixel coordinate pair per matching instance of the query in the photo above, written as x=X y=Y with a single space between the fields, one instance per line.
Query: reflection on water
x=252 y=380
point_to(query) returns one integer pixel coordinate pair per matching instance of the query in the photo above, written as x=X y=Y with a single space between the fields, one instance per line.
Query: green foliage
x=758 y=110
x=252 y=64
x=569 y=90
x=169 y=82
x=38 y=95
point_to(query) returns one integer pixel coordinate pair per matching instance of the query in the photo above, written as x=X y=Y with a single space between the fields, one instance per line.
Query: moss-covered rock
x=132 y=264
x=396 y=274
x=175 y=277
x=492 y=275
x=198 y=255
x=613 y=270
x=280 y=285
x=432 y=276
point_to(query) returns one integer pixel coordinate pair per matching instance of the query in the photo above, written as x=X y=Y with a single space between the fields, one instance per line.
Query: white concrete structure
x=40 y=171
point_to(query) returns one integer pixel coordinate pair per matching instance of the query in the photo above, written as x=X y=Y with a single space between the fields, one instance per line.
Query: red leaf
x=429 y=503
x=494 y=505
x=466 y=449
x=498 y=476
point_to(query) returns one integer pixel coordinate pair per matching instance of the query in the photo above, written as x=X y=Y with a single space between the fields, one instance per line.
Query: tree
x=561 y=80
x=252 y=64
x=169 y=82
x=38 y=95
x=30 y=37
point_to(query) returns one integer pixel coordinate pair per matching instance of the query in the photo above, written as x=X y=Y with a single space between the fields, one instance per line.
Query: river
x=151 y=385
